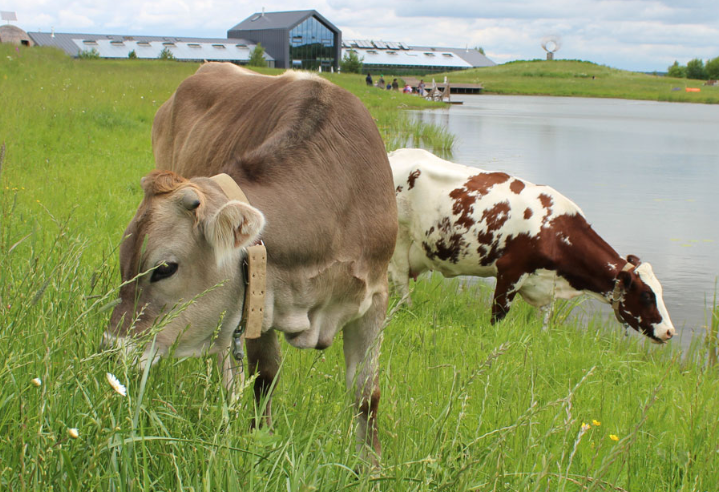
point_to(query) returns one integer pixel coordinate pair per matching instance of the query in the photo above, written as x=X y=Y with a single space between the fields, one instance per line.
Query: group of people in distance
x=395 y=85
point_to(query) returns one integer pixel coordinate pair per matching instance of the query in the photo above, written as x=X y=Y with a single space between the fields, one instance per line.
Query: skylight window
x=90 y=42
x=194 y=45
x=143 y=44
x=429 y=54
x=448 y=55
x=219 y=46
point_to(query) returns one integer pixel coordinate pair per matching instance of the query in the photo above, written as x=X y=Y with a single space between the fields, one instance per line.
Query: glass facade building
x=301 y=39
x=312 y=44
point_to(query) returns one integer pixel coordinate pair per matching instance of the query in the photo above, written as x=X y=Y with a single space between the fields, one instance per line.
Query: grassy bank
x=582 y=79
x=465 y=405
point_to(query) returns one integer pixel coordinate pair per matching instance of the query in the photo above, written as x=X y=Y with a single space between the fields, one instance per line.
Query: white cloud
x=632 y=34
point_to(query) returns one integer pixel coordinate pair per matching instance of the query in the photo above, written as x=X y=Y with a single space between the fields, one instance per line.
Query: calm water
x=646 y=175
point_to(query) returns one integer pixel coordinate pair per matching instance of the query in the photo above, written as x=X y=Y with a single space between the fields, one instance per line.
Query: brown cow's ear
x=625 y=278
x=235 y=225
x=634 y=260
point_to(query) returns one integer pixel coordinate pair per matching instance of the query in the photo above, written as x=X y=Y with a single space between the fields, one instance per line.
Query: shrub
x=696 y=70
x=132 y=55
x=257 y=57
x=92 y=54
x=712 y=68
x=166 y=54
x=677 y=71
x=351 y=62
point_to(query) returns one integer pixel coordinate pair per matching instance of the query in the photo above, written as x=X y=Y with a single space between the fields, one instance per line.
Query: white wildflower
x=37 y=382
x=73 y=433
x=119 y=388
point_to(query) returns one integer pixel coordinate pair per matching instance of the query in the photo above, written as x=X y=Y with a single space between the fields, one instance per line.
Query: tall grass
x=465 y=405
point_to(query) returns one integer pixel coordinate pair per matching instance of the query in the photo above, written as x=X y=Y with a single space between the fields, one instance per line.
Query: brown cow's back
x=308 y=155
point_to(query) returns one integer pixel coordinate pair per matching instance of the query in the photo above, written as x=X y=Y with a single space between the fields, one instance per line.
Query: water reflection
x=644 y=173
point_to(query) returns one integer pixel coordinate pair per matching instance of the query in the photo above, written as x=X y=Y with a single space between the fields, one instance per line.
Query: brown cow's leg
x=362 y=340
x=263 y=357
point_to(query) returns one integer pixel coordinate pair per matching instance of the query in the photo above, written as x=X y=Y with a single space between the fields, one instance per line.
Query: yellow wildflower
x=37 y=382
x=596 y=423
x=586 y=427
x=613 y=437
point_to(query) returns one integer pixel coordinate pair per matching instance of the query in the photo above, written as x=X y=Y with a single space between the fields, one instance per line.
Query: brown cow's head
x=642 y=306
x=184 y=245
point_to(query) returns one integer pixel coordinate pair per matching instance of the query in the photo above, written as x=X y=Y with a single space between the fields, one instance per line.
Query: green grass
x=465 y=405
x=574 y=78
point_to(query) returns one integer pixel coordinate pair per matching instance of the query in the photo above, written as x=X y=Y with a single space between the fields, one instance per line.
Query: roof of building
x=410 y=57
x=471 y=56
x=399 y=54
x=279 y=20
x=119 y=46
x=12 y=34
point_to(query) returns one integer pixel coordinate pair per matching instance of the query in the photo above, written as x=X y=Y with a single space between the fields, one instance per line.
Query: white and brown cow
x=460 y=220
x=311 y=162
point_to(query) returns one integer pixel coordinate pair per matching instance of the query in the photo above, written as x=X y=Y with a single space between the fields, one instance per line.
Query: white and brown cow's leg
x=507 y=287
x=362 y=340
x=263 y=358
x=399 y=271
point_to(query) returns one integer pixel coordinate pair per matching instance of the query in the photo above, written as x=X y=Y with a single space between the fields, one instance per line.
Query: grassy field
x=582 y=79
x=465 y=405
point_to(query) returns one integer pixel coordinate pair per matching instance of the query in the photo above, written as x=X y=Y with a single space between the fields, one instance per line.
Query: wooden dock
x=454 y=88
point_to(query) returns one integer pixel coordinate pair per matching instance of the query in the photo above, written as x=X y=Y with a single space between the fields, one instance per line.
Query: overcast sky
x=642 y=35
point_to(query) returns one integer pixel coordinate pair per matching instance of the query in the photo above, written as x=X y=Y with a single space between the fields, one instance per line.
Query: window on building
x=89 y=42
x=194 y=45
x=313 y=43
x=219 y=46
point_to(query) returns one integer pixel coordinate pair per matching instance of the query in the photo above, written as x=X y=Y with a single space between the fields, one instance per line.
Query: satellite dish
x=551 y=44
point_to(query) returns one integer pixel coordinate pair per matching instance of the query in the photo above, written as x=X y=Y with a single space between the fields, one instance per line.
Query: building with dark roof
x=298 y=39
x=301 y=39
x=182 y=48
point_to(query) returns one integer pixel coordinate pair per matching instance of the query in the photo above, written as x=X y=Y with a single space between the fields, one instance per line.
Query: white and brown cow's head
x=186 y=239
x=641 y=305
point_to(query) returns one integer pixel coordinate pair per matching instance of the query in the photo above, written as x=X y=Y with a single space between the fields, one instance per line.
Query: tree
x=132 y=55
x=257 y=57
x=677 y=71
x=166 y=54
x=712 y=68
x=351 y=63
x=480 y=49
x=696 y=70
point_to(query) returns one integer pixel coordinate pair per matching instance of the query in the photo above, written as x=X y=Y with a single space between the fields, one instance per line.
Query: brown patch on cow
x=496 y=216
x=483 y=182
x=517 y=186
x=528 y=213
x=463 y=206
x=412 y=178
x=547 y=203
x=445 y=248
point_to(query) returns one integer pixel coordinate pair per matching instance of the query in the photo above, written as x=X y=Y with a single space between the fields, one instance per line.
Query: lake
x=646 y=175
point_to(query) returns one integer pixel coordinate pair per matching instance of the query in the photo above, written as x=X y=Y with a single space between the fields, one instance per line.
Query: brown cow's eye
x=647 y=298
x=165 y=270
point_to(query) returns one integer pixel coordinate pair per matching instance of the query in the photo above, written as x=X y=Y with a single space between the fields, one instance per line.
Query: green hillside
x=582 y=79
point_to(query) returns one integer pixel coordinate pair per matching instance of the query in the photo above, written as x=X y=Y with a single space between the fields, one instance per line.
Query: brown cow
x=311 y=162
x=460 y=220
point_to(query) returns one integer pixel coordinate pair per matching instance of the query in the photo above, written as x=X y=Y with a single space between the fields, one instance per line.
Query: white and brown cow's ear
x=235 y=225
